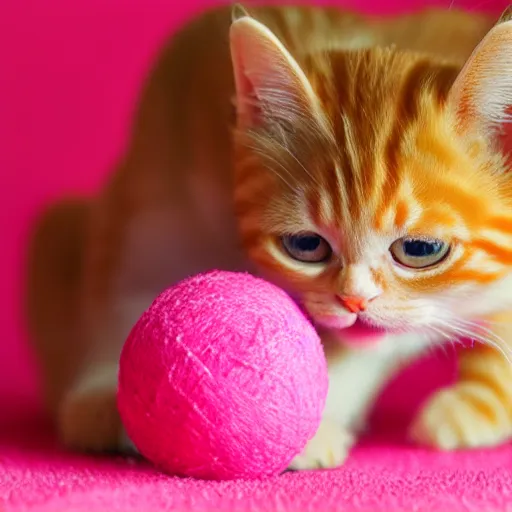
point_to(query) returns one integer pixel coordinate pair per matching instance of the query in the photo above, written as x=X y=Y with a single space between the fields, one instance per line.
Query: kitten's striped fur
x=362 y=130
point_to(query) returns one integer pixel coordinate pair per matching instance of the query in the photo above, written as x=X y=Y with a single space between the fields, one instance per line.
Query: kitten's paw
x=88 y=417
x=327 y=449
x=90 y=421
x=466 y=415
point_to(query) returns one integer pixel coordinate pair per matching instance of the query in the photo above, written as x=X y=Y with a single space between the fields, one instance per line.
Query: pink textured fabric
x=71 y=72
x=216 y=384
x=379 y=477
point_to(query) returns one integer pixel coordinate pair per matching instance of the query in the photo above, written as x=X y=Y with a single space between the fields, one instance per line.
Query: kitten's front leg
x=476 y=411
x=88 y=415
x=327 y=449
x=355 y=379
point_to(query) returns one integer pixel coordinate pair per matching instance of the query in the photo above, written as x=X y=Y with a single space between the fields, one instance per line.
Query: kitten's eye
x=307 y=247
x=417 y=253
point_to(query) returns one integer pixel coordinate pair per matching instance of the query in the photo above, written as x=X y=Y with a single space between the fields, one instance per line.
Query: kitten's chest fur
x=357 y=376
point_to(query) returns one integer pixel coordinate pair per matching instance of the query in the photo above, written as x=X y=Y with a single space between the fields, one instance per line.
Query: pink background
x=69 y=79
x=70 y=73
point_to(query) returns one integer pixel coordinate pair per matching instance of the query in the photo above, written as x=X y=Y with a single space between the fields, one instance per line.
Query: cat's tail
x=53 y=282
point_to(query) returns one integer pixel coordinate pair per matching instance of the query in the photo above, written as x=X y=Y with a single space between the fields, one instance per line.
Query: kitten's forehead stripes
x=370 y=137
x=423 y=84
x=394 y=162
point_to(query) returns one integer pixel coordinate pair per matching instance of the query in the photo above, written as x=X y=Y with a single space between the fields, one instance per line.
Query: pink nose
x=352 y=303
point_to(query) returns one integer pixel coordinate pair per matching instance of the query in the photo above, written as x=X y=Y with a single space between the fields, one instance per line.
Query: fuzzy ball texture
x=222 y=377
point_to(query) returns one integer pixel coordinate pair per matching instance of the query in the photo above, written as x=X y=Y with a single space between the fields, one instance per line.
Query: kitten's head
x=372 y=185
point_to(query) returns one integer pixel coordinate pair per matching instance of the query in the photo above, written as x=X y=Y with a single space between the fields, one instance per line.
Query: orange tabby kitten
x=362 y=170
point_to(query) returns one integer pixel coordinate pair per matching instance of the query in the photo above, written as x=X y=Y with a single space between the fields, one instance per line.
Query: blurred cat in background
x=358 y=162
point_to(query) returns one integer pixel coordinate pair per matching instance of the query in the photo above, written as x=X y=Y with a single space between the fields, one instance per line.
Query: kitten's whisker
x=496 y=343
x=498 y=322
x=440 y=332
x=479 y=327
x=493 y=344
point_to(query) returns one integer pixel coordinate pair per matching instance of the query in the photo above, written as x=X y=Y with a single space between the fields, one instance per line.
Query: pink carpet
x=70 y=73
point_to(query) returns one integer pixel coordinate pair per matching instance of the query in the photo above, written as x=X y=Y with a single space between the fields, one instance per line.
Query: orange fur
x=363 y=130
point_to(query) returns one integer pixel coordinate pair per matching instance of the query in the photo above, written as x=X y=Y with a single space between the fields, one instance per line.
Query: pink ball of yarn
x=222 y=377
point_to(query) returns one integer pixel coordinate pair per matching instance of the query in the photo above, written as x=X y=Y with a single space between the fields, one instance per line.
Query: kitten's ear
x=238 y=11
x=506 y=15
x=270 y=86
x=482 y=93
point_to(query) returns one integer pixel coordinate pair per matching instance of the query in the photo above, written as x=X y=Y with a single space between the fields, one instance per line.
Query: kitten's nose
x=353 y=303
